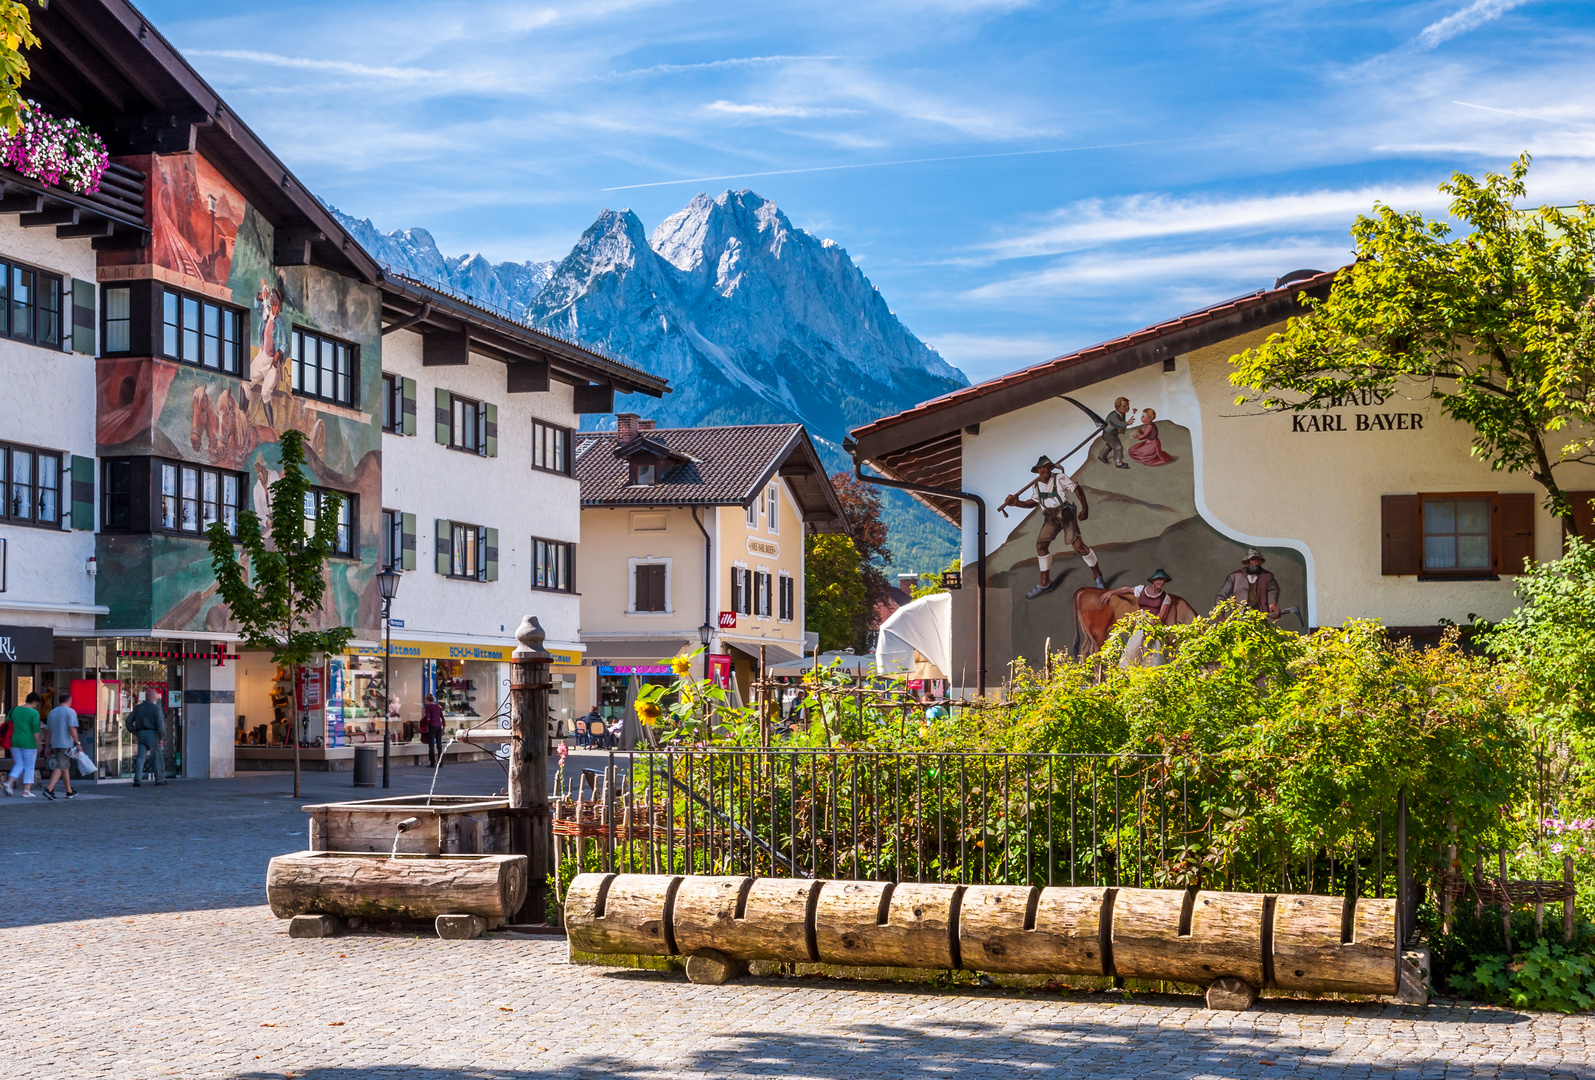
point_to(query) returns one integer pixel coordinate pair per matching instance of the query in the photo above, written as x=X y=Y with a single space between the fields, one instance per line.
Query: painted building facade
x=1372 y=509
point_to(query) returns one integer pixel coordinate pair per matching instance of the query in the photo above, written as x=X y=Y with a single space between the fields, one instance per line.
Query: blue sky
x=1018 y=179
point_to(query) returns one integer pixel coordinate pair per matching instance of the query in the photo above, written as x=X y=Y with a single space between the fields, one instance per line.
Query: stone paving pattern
x=139 y=946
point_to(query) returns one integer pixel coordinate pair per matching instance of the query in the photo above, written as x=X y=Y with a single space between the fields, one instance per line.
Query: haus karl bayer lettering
x=1321 y=420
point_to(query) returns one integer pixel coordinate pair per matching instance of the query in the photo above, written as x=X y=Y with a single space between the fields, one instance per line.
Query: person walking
x=147 y=723
x=432 y=731
x=24 y=746
x=62 y=723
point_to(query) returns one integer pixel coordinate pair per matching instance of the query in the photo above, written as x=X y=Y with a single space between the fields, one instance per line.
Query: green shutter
x=492 y=430
x=82 y=492
x=444 y=415
x=407 y=415
x=489 y=554
x=407 y=544
x=83 y=321
x=445 y=538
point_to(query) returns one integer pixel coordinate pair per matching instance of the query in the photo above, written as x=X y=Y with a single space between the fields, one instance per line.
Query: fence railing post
x=1404 y=907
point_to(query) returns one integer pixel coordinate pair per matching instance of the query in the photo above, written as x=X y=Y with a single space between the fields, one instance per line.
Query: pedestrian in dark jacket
x=432 y=730
x=147 y=723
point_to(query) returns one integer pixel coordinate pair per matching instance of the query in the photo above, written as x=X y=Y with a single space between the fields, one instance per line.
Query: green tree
x=834 y=593
x=932 y=582
x=861 y=509
x=16 y=34
x=1497 y=326
x=275 y=593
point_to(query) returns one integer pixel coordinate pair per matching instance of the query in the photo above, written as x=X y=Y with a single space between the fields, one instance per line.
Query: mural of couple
x=1141 y=521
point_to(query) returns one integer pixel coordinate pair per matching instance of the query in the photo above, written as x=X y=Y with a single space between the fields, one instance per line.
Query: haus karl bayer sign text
x=1382 y=420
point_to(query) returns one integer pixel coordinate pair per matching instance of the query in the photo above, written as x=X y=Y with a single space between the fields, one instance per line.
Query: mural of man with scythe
x=1055 y=491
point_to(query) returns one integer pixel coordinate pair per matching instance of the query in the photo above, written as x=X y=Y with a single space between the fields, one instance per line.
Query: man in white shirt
x=1054 y=490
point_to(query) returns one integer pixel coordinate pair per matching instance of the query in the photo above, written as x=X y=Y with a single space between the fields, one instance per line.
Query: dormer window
x=644 y=473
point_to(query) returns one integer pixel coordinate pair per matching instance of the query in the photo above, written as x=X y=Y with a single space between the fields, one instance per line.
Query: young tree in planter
x=275 y=593
x=1498 y=326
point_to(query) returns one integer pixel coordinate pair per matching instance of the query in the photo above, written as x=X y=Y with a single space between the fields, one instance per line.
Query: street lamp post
x=388 y=586
x=704 y=633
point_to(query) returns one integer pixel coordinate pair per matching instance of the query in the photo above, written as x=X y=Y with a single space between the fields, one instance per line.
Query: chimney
x=645 y=425
x=626 y=427
x=908 y=583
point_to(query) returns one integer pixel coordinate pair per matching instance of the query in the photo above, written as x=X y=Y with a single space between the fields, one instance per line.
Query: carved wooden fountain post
x=529 y=685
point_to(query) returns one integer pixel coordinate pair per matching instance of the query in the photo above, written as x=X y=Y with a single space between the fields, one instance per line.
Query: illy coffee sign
x=27 y=645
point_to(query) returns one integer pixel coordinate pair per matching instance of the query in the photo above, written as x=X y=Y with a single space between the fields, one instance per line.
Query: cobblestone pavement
x=137 y=946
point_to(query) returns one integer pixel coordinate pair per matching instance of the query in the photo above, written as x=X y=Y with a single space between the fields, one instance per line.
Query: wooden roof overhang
x=924 y=445
x=102 y=63
x=451 y=328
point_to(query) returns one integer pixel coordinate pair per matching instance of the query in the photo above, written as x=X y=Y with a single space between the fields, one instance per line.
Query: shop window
x=650 y=582
x=195 y=330
x=466 y=425
x=467 y=552
x=1456 y=535
x=325 y=369
x=30 y=479
x=551 y=565
x=788 y=607
x=550 y=448
x=30 y=304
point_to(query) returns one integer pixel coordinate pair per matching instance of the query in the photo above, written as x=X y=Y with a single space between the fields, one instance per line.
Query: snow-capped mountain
x=748 y=316
x=508 y=286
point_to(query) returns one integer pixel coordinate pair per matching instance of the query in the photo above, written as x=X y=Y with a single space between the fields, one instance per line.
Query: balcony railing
x=113 y=217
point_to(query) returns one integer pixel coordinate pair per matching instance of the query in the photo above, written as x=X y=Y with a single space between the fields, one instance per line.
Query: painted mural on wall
x=207 y=239
x=1113 y=527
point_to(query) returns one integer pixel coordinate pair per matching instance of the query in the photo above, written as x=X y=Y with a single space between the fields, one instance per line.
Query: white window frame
x=631 y=586
x=753 y=511
x=772 y=516
x=785 y=575
x=742 y=564
x=769 y=575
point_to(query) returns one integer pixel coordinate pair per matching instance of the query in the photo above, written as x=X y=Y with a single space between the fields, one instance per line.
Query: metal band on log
x=376 y=886
x=1186 y=936
x=747 y=918
x=621 y=913
x=1020 y=930
x=885 y=924
x=1320 y=945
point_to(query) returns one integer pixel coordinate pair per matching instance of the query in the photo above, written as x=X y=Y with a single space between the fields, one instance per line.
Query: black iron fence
x=969 y=818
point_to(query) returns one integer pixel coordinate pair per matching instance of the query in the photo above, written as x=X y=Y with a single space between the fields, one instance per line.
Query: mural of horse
x=1093 y=620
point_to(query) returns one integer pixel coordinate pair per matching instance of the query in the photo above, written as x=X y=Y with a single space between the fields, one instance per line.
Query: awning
x=775 y=652
x=452 y=650
x=652 y=649
x=845 y=661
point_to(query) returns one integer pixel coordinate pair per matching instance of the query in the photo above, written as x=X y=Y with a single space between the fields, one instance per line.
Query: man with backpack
x=147 y=723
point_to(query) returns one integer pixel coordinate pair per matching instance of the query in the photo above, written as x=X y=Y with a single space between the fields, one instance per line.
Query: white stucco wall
x=421 y=477
x=1260 y=483
x=48 y=402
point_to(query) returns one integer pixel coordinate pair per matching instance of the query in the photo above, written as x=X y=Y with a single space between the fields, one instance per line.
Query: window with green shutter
x=82 y=492
x=490 y=430
x=489 y=554
x=83 y=316
x=445 y=546
x=407 y=548
x=443 y=415
x=407 y=416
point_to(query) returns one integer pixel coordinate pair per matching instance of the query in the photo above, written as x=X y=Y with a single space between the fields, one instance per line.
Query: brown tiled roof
x=724 y=466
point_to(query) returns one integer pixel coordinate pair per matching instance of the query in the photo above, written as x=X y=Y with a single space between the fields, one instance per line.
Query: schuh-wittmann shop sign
x=27 y=645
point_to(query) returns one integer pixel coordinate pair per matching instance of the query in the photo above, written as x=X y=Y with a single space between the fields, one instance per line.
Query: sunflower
x=682 y=666
x=648 y=712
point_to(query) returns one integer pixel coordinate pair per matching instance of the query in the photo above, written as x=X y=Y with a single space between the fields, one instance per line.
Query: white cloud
x=1471 y=17
x=1141 y=217
x=732 y=108
x=1256 y=266
x=342 y=67
x=993 y=351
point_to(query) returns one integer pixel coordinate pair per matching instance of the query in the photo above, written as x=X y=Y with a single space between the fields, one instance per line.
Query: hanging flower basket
x=60 y=153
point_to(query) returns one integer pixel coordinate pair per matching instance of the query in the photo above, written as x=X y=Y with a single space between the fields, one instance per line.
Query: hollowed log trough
x=1234 y=944
x=462 y=894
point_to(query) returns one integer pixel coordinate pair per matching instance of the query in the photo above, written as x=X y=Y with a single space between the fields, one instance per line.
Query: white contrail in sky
x=906 y=161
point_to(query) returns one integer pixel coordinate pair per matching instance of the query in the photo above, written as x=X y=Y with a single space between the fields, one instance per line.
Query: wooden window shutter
x=82 y=493
x=445 y=551
x=489 y=543
x=407 y=542
x=1583 y=515
x=490 y=442
x=84 y=322
x=443 y=409
x=1401 y=526
x=1512 y=531
x=407 y=410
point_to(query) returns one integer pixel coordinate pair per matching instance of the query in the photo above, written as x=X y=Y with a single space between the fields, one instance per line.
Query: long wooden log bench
x=1234 y=944
x=462 y=895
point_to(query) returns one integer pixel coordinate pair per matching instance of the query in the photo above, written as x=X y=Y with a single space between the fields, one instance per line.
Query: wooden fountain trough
x=449 y=825
x=1233 y=944
x=462 y=895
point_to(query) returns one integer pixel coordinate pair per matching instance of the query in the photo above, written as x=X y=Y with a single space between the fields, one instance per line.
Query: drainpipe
x=708 y=577
x=851 y=448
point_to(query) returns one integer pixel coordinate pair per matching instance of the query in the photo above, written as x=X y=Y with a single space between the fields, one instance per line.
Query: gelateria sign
x=1374 y=418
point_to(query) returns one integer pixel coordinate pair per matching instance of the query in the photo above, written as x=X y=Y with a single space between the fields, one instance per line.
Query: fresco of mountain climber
x=1054 y=488
x=1142 y=516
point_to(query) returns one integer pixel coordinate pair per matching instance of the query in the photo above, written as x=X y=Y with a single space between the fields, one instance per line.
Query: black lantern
x=388 y=583
x=703 y=634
